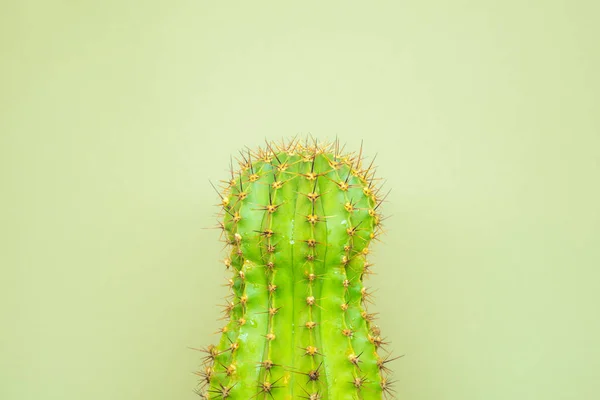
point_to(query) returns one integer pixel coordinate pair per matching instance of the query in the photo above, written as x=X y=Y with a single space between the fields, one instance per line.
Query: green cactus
x=299 y=218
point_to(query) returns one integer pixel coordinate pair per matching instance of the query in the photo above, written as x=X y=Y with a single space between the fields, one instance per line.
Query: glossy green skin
x=283 y=280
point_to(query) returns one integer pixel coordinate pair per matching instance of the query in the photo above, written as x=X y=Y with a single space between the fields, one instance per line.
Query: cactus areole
x=298 y=218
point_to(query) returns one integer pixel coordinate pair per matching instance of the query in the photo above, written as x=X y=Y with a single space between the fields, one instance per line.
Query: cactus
x=298 y=219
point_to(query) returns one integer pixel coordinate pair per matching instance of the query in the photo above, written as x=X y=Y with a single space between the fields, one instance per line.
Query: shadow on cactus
x=298 y=218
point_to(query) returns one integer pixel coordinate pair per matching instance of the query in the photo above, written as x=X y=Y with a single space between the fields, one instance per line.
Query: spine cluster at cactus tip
x=298 y=218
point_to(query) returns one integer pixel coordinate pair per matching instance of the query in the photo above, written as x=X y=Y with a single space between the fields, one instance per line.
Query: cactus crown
x=298 y=218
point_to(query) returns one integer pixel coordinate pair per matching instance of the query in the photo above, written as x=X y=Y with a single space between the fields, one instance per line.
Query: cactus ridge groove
x=298 y=218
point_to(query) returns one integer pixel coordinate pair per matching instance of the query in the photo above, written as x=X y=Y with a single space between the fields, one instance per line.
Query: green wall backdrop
x=485 y=116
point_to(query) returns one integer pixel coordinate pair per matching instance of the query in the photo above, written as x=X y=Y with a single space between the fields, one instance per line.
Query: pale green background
x=486 y=120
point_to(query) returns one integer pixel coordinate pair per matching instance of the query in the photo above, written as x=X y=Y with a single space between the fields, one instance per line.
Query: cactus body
x=298 y=219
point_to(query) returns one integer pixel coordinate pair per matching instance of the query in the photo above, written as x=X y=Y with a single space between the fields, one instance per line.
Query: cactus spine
x=298 y=219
